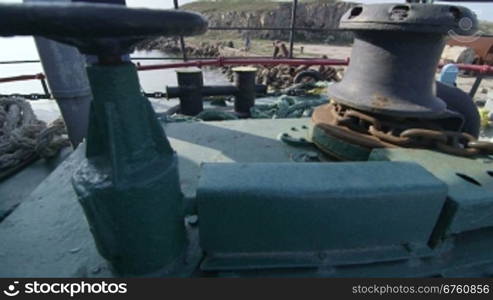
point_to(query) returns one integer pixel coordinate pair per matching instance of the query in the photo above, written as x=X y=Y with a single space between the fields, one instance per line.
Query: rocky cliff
x=322 y=15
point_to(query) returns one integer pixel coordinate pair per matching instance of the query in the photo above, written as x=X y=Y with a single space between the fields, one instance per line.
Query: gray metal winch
x=389 y=96
x=395 y=55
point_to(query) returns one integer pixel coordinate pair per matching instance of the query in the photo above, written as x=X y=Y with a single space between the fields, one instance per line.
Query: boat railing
x=479 y=71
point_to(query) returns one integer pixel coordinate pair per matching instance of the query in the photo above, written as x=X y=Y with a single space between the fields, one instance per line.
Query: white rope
x=23 y=137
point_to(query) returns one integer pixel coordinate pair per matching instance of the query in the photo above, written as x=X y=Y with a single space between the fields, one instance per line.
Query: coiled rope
x=24 y=138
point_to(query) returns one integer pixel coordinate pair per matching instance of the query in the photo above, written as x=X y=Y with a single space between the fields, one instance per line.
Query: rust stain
x=380 y=101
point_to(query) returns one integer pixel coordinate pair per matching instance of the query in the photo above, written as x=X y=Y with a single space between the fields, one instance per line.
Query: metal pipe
x=223 y=61
x=293 y=25
x=11 y=62
x=484 y=70
x=64 y=68
x=65 y=71
x=216 y=90
x=44 y=85
x=475 y=85
x=224 y=90
x=22 y=78
x=33 y=96
x=481 y=69
x=182 y=40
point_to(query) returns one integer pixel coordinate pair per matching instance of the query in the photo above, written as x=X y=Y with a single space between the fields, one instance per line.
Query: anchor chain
x=410 y=134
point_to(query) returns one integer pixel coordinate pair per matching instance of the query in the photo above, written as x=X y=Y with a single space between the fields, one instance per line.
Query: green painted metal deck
x=48 y=236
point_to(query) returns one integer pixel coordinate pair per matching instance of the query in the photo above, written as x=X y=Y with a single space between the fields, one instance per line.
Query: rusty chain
x=403 y=133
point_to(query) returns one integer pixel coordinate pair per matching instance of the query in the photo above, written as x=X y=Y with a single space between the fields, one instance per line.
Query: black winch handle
x=96 y=28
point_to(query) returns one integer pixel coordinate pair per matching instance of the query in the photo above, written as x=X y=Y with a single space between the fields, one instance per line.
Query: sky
x=26 y=48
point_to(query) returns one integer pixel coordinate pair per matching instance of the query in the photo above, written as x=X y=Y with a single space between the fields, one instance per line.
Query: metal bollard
x=191 y=90
x=191 y=83
x=216 y=90
x=245 y=83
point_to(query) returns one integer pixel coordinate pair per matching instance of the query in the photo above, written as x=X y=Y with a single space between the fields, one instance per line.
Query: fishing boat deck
x=48 y=236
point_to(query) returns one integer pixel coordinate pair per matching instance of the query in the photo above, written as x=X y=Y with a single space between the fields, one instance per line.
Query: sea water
x=23 y=48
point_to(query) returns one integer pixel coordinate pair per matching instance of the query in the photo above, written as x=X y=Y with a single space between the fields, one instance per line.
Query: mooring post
x=190 y=83
x=191 y=90
x=245 y=83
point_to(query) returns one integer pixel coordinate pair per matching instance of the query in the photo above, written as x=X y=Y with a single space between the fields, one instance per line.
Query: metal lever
x=97 y=29
x=128 y=184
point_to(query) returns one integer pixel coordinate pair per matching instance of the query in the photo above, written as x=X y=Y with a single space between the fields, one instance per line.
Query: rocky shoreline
x=172 y=46
x=321 y=17
x=275 y=77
